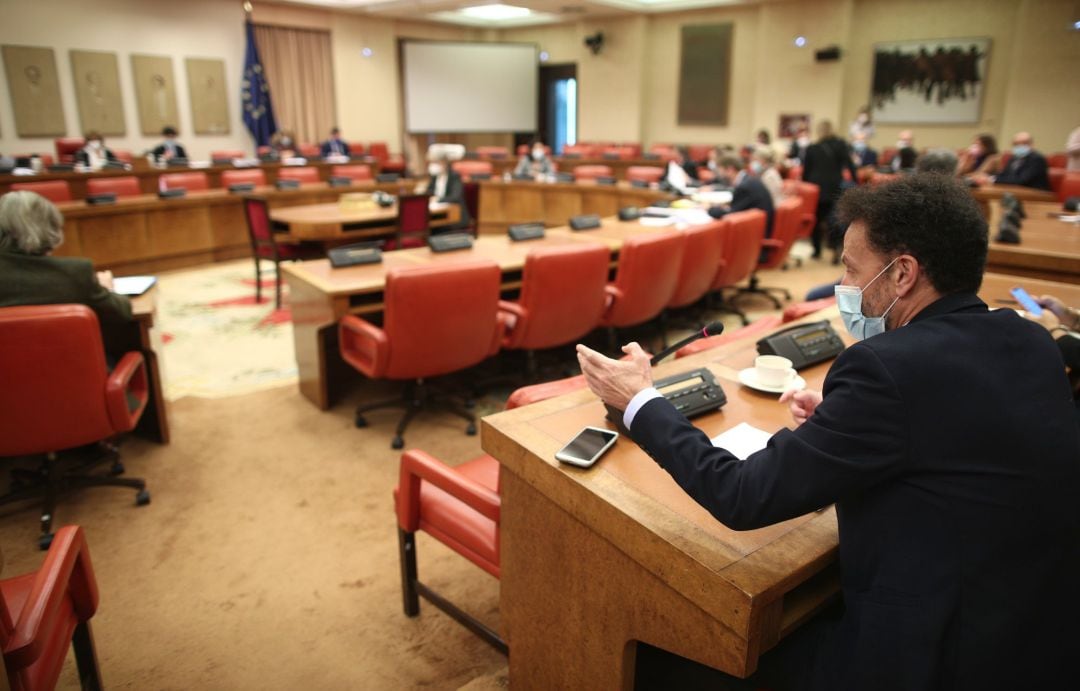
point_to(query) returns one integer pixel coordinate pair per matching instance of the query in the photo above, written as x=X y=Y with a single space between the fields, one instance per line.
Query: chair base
x=418 y=396
x=412 y=590
x=725 y=305
x=755 y=288
x=49 y=483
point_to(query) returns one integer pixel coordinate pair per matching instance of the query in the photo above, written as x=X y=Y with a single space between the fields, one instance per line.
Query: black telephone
x=803 y=344
x=692 y=393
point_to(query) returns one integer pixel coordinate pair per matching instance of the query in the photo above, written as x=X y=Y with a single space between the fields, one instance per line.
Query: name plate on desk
x=172 y=194
x=287 y=184
x=629 y=213
x=352 y=255
x=60 y=167
x=585 y=222
x=605 y=180
x=387 y=177
x=338 y=181
x=449 y=242
x=564 y=177
x=177 y=163
x=525 y=231
x=100 y=199
x=241 y=187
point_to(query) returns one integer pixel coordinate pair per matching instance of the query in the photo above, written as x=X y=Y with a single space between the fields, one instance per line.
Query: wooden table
x=326 y=222
x=1049 y=248
x=991 y=193
x=154 y=423
x=593 y=561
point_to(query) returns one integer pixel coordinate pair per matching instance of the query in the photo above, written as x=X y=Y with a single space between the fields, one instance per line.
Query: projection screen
x=469 y=87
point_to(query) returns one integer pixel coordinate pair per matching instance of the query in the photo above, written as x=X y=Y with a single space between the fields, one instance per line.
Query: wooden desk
x=320 y=295
x=154 y=423
x=995 y=290
x=991 y=193
x=331 y=222
x=1049 y=249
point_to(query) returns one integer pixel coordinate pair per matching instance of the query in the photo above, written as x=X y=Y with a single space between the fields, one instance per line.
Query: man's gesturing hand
x=616 y=381
x=803 y=403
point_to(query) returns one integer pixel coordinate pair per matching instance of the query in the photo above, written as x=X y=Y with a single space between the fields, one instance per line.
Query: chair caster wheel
x=45 y=541
x=142 y=498
x=397 y=443
x=471 y=429
x=117 y=468
x=360 y=421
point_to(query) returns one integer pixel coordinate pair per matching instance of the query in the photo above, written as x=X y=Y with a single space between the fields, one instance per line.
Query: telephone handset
x=803 y=344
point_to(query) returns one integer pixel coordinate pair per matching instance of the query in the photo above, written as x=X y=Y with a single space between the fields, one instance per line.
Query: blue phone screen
x=1026 y=301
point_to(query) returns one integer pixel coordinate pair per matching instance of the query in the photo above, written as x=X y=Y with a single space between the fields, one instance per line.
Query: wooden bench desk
x=1049 y=248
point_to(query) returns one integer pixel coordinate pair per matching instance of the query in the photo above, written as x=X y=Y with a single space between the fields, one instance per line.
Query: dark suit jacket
x=84 y=158
x=160 y=150
x=327 y=148
x=952 y=453
x=31 y=280
x=824 y=166
x=868 y=157
x=1028 y=171
x=750 y=193
x=455 y=194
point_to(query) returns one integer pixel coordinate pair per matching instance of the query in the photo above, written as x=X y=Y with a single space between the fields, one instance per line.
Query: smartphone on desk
x=1026 y=301
x=587 y=447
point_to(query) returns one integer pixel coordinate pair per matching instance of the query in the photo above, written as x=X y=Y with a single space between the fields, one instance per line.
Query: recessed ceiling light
x=496 y=11
x=800 y=41
x=366 y=52
x=544 y=56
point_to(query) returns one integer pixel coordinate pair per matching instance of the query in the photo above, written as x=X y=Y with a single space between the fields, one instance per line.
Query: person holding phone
x=947 y=438
x=1063 y=323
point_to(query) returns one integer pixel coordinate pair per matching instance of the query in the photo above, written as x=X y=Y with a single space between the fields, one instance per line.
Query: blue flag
x=255 y=94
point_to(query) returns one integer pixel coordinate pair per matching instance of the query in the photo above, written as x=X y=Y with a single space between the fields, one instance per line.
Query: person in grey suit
x=30 y=229
x=748 y=193
x=945 y=436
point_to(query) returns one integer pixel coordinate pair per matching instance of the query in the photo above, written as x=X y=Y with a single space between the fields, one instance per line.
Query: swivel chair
x=125 y=186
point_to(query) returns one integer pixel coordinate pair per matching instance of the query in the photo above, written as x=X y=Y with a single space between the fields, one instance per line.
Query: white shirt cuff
x=640 y=398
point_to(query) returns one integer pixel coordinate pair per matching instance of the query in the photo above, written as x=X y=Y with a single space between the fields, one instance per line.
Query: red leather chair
x=467 y=169
x=309 y=150
x=306 y=175
x=413 y=224
x=264 y=150
x=809 y=193
x=459 y=506
x=1070 y=186
x=356 y=149
x=1056 y=177
x=489 y=153
x=228 y=154
x=1057 y=160
x=54 y=190
x=591 y=172
x=647 y=174
x=743 y=234
x=802 y=309
x=633 y=148
x=255 y=176
x=66 y=147
x=619 y=153
x=646 y=280
x=126 y=186
x=666 y=152
x=123 y=155
x=700 y=259
x=471 y=196
x=579 y=150
x=264 y=246
x=44 y=612
x=699 y=153
x=758 y=327
x=58 y=395
x=887 y=155
x=439 y=319
x=387 y=163
x=776 y=249
x=355 y=173
x=554 y=310
x=192 y=181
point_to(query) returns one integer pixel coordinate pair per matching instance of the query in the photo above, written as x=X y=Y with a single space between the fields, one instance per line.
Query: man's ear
x=907 y=274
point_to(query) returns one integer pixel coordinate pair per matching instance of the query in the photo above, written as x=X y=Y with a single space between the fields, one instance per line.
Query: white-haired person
x=763 y=165
x=30 y=229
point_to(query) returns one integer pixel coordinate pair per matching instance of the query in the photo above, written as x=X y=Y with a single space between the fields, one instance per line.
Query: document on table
x=742 y=440
x=133 y=285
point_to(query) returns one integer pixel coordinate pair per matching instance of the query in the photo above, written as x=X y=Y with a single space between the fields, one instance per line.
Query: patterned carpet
x=216 y=340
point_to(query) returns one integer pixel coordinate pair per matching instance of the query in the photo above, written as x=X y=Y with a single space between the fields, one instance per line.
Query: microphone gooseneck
x=713 y=329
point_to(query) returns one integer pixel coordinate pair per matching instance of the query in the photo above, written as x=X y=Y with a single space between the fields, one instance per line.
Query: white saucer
x=748 y=377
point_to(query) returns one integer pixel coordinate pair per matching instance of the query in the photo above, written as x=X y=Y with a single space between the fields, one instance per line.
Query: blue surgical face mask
x=757 y=167
x=849 y=302
x=1021 y=150
x=859 y=146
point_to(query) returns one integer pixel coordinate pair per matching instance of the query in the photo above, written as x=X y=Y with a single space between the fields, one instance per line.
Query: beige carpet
x=268 y=557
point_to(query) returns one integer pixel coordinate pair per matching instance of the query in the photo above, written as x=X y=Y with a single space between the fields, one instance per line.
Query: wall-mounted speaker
x=827 y=54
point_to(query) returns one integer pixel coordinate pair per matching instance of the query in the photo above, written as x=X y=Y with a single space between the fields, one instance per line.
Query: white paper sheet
x=133 y=285
x=742 y=440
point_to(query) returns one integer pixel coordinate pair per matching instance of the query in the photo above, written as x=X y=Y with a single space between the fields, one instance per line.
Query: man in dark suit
x=170 y=148
x=947 y=440
x=446 y=185
x=826 y=160
x=30 y=228
x=748 y=193
x=862 y=156
x=335 y=145
x=1026 y=167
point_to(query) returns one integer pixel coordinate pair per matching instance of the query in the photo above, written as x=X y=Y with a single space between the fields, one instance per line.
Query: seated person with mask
x=536 y=163
x=863 y=157
x=335 y=145
x=94 y=155
x=30 y=229
x=170 y=148
x=1026 y=167
x=749 y=193
x=445 y=185
x=763 y=166
x=904 y=158
x=947 y=439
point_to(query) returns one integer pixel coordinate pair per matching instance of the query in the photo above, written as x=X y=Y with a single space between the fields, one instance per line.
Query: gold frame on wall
x=155 y=93
x=100 y=100
x=34 y=86
x=209 y=97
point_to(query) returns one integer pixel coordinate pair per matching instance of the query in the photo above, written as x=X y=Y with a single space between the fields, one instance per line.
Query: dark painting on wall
x=931 y=81
x=705 y=74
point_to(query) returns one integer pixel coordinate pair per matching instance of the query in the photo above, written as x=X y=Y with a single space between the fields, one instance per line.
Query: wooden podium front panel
x=180 y=230
x=112 y=239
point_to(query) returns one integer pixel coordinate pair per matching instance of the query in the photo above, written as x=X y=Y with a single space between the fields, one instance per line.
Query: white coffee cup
x=773 y=370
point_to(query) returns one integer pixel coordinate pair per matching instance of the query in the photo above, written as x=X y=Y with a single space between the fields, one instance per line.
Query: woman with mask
x=981 y=157
x=536 y=163
x=283 y=144
x=94 y=155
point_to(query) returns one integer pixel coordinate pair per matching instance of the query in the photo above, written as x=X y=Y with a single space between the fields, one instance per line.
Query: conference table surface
x=330 y=221
x=618 y=553
x=154 y=423
x=1049 y=247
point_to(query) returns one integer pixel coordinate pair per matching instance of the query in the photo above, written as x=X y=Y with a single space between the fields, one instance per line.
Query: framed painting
x=931 y=81
x=705 y=74
x=97 y=90
x=155 y=93
x=35 y=91
x=209 y=100
x=791 y=123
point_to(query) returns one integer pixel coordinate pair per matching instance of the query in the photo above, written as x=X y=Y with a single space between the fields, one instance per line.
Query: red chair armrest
x=772 y=243
x=364 y=346
x=127 y=377
x=502 y=321
x=613 y=296
x=418 y=466
x=511 y=314
x=67 y=572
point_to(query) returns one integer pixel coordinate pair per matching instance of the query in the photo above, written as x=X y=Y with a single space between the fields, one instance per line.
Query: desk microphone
x=714 y=329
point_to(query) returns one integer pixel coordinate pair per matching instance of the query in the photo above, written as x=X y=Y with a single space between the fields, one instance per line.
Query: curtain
x=300 y=72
